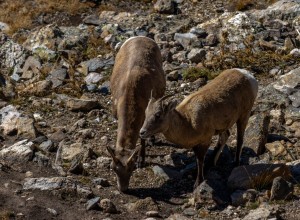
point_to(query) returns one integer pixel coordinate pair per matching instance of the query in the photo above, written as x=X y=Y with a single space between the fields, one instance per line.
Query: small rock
x=173 y=76
x=152 y=214
x=57 y=77
x=69 y=152
x=276 y=148
x=281 y=189
x=241 y=197
x=211 y=40
x=258 y=214
x=52 y=211
x=92 y=203
x=177 y=217
x=82 y=105
x=28 y=174
x=196 y=55
x=93 y=78
x=144 y=205
x=47 y=146
x=26 y=128
x=101 y=181
x=58 y=136
x=185 y=39
x=41 y=159
x=108 y=206
x=165 y=6
x=190 y=212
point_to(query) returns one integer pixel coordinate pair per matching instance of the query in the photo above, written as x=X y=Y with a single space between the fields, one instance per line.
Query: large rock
x=283 y=10
x=56 y=183
x=12 y=55
x=256 y=175
x=256 y=133
x=20 y=152
x=288 y=82
x=281 y=189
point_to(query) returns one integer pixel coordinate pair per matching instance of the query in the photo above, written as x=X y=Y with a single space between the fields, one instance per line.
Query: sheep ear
x=170 y=105
x=111 y=151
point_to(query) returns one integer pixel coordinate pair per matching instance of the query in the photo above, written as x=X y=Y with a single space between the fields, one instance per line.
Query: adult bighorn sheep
x=137 y=76
x=212 y=110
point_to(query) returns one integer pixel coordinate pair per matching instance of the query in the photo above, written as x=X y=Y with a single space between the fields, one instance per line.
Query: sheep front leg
x=200 y=152
x=142 y=154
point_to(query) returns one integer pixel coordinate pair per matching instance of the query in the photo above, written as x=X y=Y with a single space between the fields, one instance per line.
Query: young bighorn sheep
x=137 y=76
x=212 y=110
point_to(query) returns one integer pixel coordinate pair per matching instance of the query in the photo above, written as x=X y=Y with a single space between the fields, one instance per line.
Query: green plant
x=194 y=73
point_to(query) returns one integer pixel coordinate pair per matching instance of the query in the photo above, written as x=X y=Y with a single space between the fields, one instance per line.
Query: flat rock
x=20 y=152
x=256 y=175
x=166 y=173
x=258 y=214
x=177 y=217
x=82 y=104
x=276 y=148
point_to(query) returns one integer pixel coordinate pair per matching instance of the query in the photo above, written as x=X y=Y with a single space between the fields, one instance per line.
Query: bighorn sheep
x=137 y=76
x=212 y=110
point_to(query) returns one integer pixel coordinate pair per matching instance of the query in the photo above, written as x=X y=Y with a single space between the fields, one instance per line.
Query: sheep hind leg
x=142 y=154
x=223 y=137
x=200 y=152
x=241 y=126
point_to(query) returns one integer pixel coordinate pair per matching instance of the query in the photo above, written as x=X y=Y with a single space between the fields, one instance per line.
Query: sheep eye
x=157 y=115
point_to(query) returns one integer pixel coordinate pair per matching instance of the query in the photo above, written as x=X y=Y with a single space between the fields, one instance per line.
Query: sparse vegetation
x=27 y=12
x=242 y=5
x=194 y=73
x=259 y=61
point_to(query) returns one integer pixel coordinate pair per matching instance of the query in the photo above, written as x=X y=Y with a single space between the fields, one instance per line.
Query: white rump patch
x=129 y=39
x=251 y=78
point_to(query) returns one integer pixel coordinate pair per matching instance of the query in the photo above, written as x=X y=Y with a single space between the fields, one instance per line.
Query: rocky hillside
x=55 y=109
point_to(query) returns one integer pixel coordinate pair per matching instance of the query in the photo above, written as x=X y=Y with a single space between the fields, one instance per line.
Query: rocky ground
x=55 y=112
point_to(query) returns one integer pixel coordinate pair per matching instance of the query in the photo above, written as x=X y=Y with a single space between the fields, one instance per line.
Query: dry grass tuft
x=243 y=5
x=21 y=14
